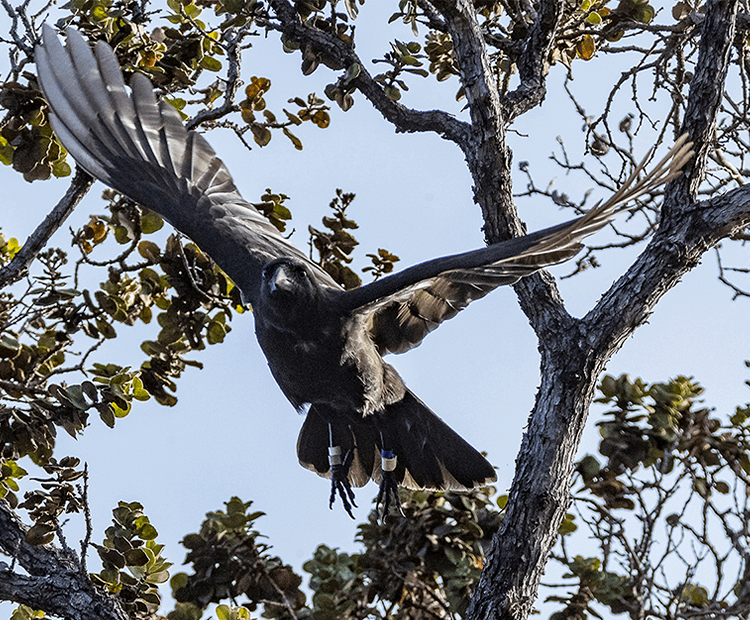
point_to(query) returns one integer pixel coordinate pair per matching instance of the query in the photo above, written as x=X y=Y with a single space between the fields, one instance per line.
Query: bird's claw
x=339 y=479
x=388 y=491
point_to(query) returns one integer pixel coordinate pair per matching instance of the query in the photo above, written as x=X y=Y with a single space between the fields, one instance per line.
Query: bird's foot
x=388 y=492
x=339 y=479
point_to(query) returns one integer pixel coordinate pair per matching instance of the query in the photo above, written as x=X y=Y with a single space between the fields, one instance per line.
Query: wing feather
x=139 y=146
x=403 y=308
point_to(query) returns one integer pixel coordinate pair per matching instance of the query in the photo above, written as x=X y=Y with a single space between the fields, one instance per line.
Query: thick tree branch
x=55 y=582
x=340 y=55
x=18 y=267
x=533 y=64
x=574 y=352
x=669 y=256
x=487 y=154
x=704 y=100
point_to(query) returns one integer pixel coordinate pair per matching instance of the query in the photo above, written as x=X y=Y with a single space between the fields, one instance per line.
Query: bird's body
x=324 y=345
x=308 y=344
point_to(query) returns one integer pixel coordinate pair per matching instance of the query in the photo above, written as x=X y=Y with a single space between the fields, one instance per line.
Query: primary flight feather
x=324 y=345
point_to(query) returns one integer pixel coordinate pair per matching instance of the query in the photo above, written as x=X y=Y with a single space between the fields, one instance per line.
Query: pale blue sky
x=233 y=433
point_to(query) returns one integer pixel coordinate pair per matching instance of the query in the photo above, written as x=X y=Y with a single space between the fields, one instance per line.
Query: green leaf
x=150 y=222
x=210 y=63
x=136 y=557
x=118 y=411
x=149 y=250
x=147 y=532
x=9 y=345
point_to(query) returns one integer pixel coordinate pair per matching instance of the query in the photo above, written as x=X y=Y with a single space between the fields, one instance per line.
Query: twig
x=19 y=266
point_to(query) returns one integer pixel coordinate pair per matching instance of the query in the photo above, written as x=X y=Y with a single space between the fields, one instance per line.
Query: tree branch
x=19 y=266
x=704 y=100
x=55 y=583
x=575 y=352
x=533 y=64
x=340 y=54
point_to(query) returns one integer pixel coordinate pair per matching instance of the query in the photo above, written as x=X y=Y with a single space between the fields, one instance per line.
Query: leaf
x=120 y=412
x=261 y=134
x=40 y=534
x=680 y=10
x=147 y=532
x=136 y=557
x=150 y=222
x=210 y=63
x=586 y=47
x=9 y=346
x=149 y=250
x=295 y=140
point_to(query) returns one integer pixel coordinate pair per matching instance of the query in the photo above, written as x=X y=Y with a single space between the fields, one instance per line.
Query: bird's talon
x=388 y=491
x=339 y=479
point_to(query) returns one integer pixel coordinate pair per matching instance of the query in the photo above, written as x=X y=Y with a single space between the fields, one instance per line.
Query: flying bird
x=324 y=345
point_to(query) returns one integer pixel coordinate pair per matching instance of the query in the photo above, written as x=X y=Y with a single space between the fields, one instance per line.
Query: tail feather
x=430 y=455
x=357 y=437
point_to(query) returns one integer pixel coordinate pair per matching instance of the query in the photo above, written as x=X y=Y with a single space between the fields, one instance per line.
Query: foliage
x=665 y=500
x=678 y=468
x=130 y=545
x=229 y=561
x=667 y=507
x=671 y=472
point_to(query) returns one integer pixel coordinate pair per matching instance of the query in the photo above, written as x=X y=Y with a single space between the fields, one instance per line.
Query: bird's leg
x=388 y=491
x=340 y=476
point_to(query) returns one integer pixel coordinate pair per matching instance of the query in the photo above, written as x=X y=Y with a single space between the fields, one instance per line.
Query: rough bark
x=574 y=352
x=55 y=581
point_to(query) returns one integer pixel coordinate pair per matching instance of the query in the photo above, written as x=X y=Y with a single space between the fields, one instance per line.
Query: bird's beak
x=280 y=280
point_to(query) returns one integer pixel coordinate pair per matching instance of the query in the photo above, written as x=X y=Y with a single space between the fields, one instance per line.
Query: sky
x=232 y=431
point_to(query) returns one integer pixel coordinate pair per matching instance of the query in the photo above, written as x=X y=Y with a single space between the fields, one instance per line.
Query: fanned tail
x=429 y=454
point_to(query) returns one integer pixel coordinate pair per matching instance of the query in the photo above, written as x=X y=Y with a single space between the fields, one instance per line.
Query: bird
x=324 y=345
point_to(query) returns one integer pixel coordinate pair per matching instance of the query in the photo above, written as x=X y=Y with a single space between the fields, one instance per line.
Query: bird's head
x=287 y=282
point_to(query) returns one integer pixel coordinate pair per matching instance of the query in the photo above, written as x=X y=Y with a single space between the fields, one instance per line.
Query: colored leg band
x=389 y=460
x=334 y=455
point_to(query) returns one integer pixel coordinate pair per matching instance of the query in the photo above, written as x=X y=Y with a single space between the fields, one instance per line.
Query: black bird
x=324 y=345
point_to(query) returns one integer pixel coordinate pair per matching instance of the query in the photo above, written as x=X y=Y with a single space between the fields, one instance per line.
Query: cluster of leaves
x=57 y=496
x=273 y=208
x=335 y=247
x=313 y=109
x=429 y=563
x=426 y=566
x=403 y=58
x=682 y=474
x=174 y=57
x=36 y=331
x=228 y=561
x=132 y=564
x=585 y=27
x=196 y=313
x=595 y=585
x=423 y=567
x=26 y=139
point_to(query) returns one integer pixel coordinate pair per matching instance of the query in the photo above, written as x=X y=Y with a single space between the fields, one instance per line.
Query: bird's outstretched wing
x=140 y=147
x=403 y=308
